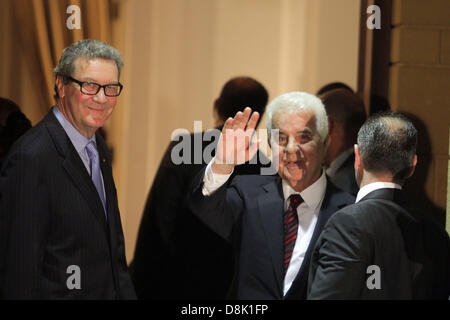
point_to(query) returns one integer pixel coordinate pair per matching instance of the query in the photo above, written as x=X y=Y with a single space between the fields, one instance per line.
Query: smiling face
x=87 y=113
x=299 y=148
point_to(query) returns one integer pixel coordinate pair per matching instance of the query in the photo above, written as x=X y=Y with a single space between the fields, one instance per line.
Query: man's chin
x=293 y=178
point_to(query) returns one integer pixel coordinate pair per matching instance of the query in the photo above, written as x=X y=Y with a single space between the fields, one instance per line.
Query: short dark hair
x=387 y=142
x=347 y=109
x=333 y=85
x=239 y=93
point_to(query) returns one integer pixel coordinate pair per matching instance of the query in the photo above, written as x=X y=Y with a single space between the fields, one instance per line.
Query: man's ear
x=358 y=160
x=413 y=168
x=60 y=86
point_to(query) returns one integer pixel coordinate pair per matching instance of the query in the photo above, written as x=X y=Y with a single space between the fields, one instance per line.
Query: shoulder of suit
x=254 y=180
x=344 y=196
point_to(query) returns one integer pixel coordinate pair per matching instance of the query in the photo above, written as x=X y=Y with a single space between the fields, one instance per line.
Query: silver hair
x=89 y=49
x=295 y=102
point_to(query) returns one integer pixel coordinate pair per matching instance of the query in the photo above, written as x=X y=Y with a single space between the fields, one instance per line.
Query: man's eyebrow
x=95 y=81
x=306 y=130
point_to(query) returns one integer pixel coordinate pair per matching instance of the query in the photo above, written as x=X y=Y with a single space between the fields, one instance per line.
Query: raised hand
x=234 y=145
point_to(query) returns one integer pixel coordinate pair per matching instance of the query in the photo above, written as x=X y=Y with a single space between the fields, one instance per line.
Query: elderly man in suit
x=60 y=230
x=273 y=220
x=378 y=248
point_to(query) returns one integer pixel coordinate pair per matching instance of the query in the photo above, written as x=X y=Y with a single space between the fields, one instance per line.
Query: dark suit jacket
x=176 y=255
x=51 y=217
x=344 y=178
x=250 y=213
x=413 y=254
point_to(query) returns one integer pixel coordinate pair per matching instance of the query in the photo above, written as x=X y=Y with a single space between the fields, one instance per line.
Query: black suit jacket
x=344 y=178
x=412 y=253
x=249 y=212
x=51 y=217
x=176 y=255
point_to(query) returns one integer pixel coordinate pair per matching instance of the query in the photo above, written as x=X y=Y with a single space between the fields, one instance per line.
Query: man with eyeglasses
x=60 y=230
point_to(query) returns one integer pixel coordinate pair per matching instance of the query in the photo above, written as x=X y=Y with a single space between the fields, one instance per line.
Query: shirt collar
x=312 y=195
x=78 y=140
x=338 y=162
x=364 y=191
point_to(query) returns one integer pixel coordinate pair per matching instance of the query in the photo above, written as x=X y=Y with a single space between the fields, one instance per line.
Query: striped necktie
x=290 y=228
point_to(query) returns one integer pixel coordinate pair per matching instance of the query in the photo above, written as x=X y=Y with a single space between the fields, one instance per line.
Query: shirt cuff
x=213 y=181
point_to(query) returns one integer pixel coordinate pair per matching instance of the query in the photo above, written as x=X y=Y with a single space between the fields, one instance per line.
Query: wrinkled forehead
x=84 y=67
x=288 y=122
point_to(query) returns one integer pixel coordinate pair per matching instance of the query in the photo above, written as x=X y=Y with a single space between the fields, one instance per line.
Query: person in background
x=332 y=86
x=346 y=115
x=176 y=255
x=378 y=248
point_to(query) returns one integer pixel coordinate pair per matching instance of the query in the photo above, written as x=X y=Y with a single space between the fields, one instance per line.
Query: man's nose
x=100 y=97
x=292 y=146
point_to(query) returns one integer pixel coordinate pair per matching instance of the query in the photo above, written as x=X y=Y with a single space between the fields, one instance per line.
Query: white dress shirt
x=364 y=191
x=307 y=213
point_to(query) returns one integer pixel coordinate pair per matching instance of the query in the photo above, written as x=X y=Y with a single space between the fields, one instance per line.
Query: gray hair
x=89 y=49
x=295 y=102
x=388 y=143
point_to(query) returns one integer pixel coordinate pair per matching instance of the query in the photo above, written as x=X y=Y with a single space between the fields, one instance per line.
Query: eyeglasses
x=92 y=88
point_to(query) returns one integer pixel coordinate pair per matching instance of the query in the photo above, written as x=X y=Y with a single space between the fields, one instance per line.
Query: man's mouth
x=293 y=164
x=96 y=109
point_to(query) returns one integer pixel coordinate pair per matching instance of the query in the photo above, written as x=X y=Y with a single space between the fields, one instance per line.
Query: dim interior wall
x=419 y=81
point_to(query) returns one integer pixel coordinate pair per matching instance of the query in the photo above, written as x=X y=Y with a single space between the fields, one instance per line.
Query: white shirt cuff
x=213 y=181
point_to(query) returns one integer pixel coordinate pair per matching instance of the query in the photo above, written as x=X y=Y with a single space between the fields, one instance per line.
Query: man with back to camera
x=177 y=256
x=273 y=221
x=60 y=230
x=378 y=248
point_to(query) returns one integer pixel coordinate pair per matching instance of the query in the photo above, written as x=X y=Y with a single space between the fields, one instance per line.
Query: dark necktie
x=290 y=228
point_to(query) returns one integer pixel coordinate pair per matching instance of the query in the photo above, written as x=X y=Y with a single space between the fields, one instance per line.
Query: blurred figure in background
x=346 y=115
x=13 y=124
x=332 y=86
x=176 y=256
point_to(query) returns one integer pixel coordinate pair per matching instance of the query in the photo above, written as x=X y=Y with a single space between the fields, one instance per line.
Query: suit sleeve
x=338 y=265
x=219 y=211
x=24 y=220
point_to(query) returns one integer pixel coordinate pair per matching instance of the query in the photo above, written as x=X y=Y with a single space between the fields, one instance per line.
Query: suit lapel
x=271 y=208
x=75 y=168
